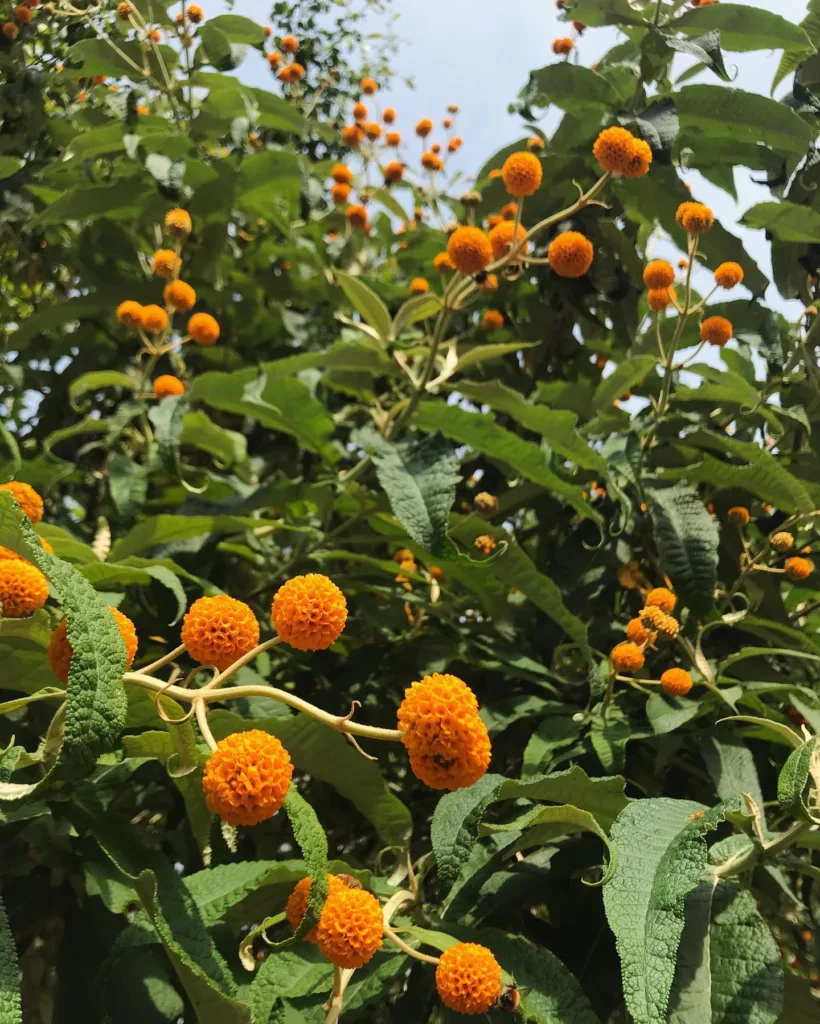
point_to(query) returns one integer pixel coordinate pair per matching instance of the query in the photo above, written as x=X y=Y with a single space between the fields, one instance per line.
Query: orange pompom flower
x=274 y=59
x=442 y=262
x=218 y=630
x=368 y=86
x=297 y=904
x=431 y=161
x=486 y=544
x=341 y=174
x=636 y=631
x=178 y=223
x=661 y=597
x=659 y=621
x=359 y=112
x=180 y=296
x=493 y=320
x=570 y=254
x=522 y=174
x=468 y=978
x=339 y=193
x=309 y=612
x=501 y=239
x=424 y=127
x=166 y=386
x=357 y=217
x=659 y=299
x=389 y=115
x=204 y=329
x=124 y=10
x=165 y=263
x=728 y=275
x=694 y=218
x=535 y=143
x=195 y=13
x=563 y=46
x=153 y=319
x=393 y=139
x=129 y=314
x=620 y=152
x=627 y=657
x=489 y=284
x=798 y=569
x=469 y=249
x=22 y=14
x=351 y=928
x=290 y=44
x=509 y=210
x=11 y=32
x=717 y=330
x=27 y=498
x=448 y=744
x=738 y=516
x=658 y=274
x=60 y=652
x=352 y=135
x=24 y=589
x=676 y=682
x=782 y=541
x=247 y=777
x=418 y=286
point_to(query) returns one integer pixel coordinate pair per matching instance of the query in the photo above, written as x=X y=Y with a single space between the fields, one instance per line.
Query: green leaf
x=218 y=49
x=731 y=765
x=10 y=1006
x=367 y=304
x=269 y=186
x=47 y=693
x=801 y=769
x=720 y=386
x=121 y=201
x=743 y=28
x=707 y=50
x=96 y=381
x=98 y=57
x=166 y=528
x=783 y=732
x=666 y=714
x=625 y=375
x=239 y=29
x=793 y=58
x=166 y=417
x=472 y=355
x=418 y=307
x=687 y=541
x=10 y=165
x=228 y=447
x=312 y=841
x=288 y=974
x=789 y=222
x=595 y=13
x=572 y=87
x=661 y=857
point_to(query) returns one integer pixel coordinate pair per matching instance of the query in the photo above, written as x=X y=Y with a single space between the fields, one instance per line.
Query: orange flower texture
x=166 y=386
x=627 y=657
x=468 y=978
x=508 y=211
x=204 y=329
x=290 y=44
x=782 y=541
x=352 y=135
x=661 y=597
x=393 y=139
x=292 y=73
x=570 y=254
x=694 y=218
x=431 y=162
x=179 y=296
x=22 y=13
x=178 y=223
x=424 y=127
x=636 y=631
x=339 y=193
x=393 y=171
x=659 y=299
x=442 y=262
x=493 y=320
x=522 y=174
x=738 y=516
x=448 y=744
x=124 y=10
x=165 y=263
x=418 y=286
x=153 y=319
x=247 y=777
x=653 y=616
x=23 y=588
x=485 y=544
x=717 y=330
x=296 y=906
x=389 y=115
x=489 y=284
x=129 y=314
x=658 y=274
x=357 y=217
x=501 y=238
x=309 y=612
x=798 y=569
x=535 y=143
x=563 y=46
x=368 y=86
x=195 y=13
x=676 y=682
x=11 y=31
x=274 y=59
x=728 y=275
x=620 y=152
x=60 y=652
x=359 y=112
x=486 y=504
x=343 y=175
x=351 y=928
x=218 y=630
x=27 y=498
x=469 y=249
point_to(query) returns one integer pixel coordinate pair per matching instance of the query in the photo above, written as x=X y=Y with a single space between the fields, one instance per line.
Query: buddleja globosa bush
x=368 y=656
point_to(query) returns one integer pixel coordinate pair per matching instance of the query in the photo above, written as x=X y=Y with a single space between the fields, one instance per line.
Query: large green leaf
x=731 y=765
x=10 y=1006
x=788 y=222
x=625 y=375
x=239 y=29
x=367 y=304
x=687 y=541
x=166 y=528
x=97 y=380
x=793 y=58
x=574 y=88
x=99 y=57
x=745 y=28
x=799 y=771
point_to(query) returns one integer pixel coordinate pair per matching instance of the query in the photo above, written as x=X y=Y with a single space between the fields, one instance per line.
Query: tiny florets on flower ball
x=165 y=263
x=492 y=320
x=424 y=127
x=153 y=319
x=798 y=569
x=351 y=928
x=442 y=262
x=663 y=598
x=468 y=978
x=247 y=777
x=218 y=630
x=627 y=657
x=166 y=385
x=309 y=612
x=23 y=588
x=717 y=330
x=658 y=274
x=26 y=497
x=570 y=254
x=738 y=516
x=636 y=631
x=563 y=46
x=341 y=174
x=676 y=682
x=728 y=275
x=60 y=652
x=659 y=299
x=694 y=218
x=447 y=742
x=469 y=249
x=357 y=216
x=418 y=286
x=782 y=541
x=352 y=135
x=501 y=239
x=298 y=902
x=522 y=174
x=204 y=329
x=618 y=151
x=178 y=223
x=179 y=296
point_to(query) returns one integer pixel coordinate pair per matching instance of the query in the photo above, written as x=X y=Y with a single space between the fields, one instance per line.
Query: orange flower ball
x=274 y=59
x=22 y=14
x=59 y=648
x=493 y=320
x=309 y=612
x=563 y=46
x=418 y=286
x=179 y=296
x=694 y=218
x=166 y=386
x=165 y=263
x=717 y=330
x=219 y=630
x=442 y=262
x=659 y=299
x=27 y=498
x=797 y=569
x=636 y=631
x=469 y=249
x=290 y=44
x=178 y=223
x=627 y=657
x=292 y=73
x=204 y=329
x=129 y=314
x=658 y=274
x=341 y=174
x=661 y=597
x=339 y=193
x=351 y=928
x=501 y=239
x=23 y=588
x=535 y=143
x=424 y=127
x=368 y=86
x=357 y=217
x=297 y=904
x=509 y=210
x=620 y=152
x=153 y=319
x=393 y=139
x=8 y=553
x=728 y=275
x=468 y=978
x=522 y=174
x=738 y=516
x=195 y=13
x=10 y=31
x=782 y=541
x=359 y=112
x=431 y=161
x=448 y=744
x=570 y=254
x=676 y=682
x=372 y=130
x=352 y=135
x=124 y=10
x=247 y=777
x=389 y=115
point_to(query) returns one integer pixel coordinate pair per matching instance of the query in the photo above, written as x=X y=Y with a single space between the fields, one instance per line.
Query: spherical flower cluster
x=535 y=143
x=485 y=544
x=124 y=10
x=424 y=127
x=627 y=657
x=738 y=516
x=636 y=631
x=389 y=115
x=352 y=135
x=782 y=541
x=166 y=385
x=298 y=901
x=23 y=14
x=418 y=286
x=343 y=175
x=153 y=319
x=694 y=218
x=717 y=330
x=469 y=249
x=368 y=86
x=59 y=648
x=180 y=296
x=447 y=742
x=372 y=130
x=468 y=978
x=293 y=72
x=339 y=193
x=661 y=597
x=658 y=274
x=204 y=329
x=676 y=682
x=493 y=320
x=431 y=161
x=290 y=44
x=442 y=262
x=486 y=504
x=178 y=223
x=570 y=254
x=797 y=569
x=218 y=630
x=728 y=275
x=195 y=13
x=351 y=928
x=247 y=777
x=654 y=618
x=10 y=31
x=165 y=263
x=620 y=152
x=501 y=238
x=359 y=112
x=563 y=46
x=26 y=497
x=393 y=171
x=522 y=174
x=659 y=299
x=309 y=612
x=23 y=588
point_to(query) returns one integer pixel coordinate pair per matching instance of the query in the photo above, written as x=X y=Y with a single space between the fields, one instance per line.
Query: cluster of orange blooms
x=653 y=622
x=289 y=72
x=22 y=16
x=407 y=562
x=795 y=567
